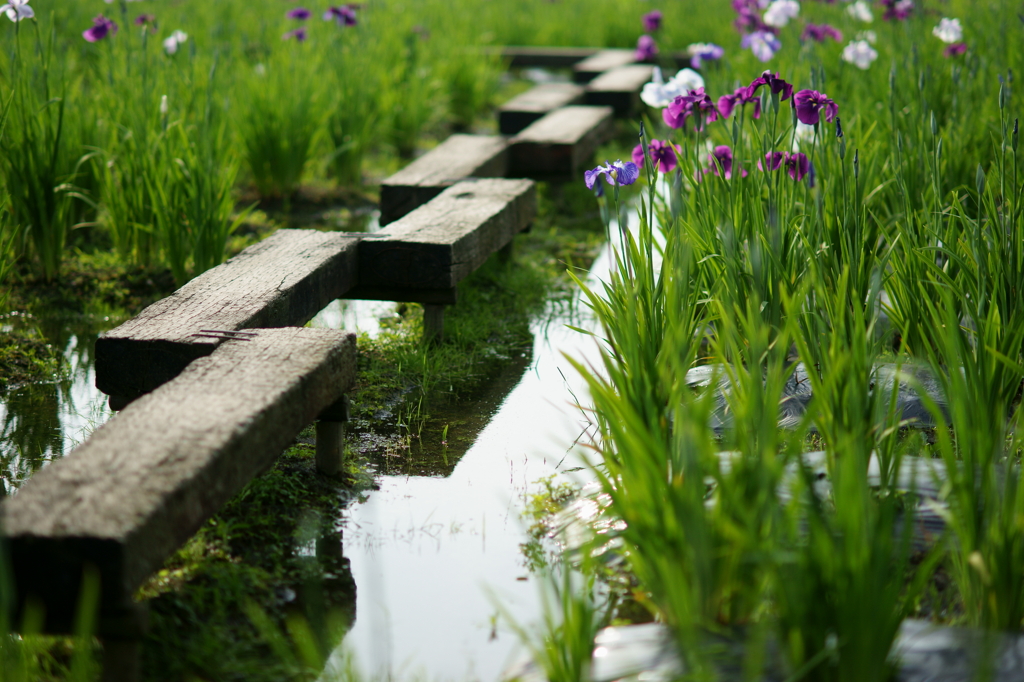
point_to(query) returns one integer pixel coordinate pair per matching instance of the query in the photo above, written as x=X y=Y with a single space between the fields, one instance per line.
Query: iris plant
x=646 y=48
x=344 y=15
x=796 y=164
x=810 y=103
x=659 y=94
x=698 y=52
x=744 y=95
x=298 y=34
x=300 y=13
x=696 y=104
x=780 y=12
x=772 y=81
x=663 y=156
x=615 y=174
x=897 y=9
x=819 y=32
x=763 y=44
x=16 y=10
x=721 y=163
x=652 y=21
x=860 y=54
x=174 y=41
x=861 y=11
x=954 y=50
x=949 y=31
x=100 y=29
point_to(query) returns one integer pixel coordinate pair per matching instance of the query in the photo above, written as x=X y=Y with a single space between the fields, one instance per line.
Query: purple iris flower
x=646 y=48
x=763 y=44
x=745 y=95
x=748 y=16
x=617 y=173
x=145 y=20
x=298 y=34
x=773 y=161
x=101 y=27
x=810 y=103
x=662 y=154
x=721 y=163
x=796 y=164
x=774 y=83
x=700 y=51
x=652 y=21
x=897 y=9
x=819 y=32
x=344 y=15
x=696 y=103
x=300 y=13
x=954 y=50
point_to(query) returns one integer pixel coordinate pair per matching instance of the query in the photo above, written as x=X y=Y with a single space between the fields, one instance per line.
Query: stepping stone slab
x=423 y=256
x=605 y=60
x=457 y=158
x=521 y=111
x=148 y=479
x=560 y=144
x=550 y=57
x=620 y=88
x=283 y=281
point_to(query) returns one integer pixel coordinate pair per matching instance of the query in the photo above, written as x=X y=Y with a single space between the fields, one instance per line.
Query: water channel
x=429 y=554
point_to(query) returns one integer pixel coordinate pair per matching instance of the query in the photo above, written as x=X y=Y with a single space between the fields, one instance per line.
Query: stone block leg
x=433 y=323
x=330 y=437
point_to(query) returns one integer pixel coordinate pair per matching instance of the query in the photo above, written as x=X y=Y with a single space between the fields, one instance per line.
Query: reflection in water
x=46 y=420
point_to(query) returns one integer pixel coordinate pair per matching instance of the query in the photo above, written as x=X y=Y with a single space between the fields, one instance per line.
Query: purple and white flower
x=300 y=13
x=174 y=41
x=860 y=54
x=617 y=173
x=298 y=34
x=700 y=51
x=861 y=11
x=949 y=31
x=763 y=44
x=16 y=10
x=819 y=32
x=659 y=94
x=780 y=12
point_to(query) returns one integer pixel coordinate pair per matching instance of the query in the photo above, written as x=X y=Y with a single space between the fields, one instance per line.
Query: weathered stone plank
x=283 y=281
x=599 y=62
x=561 y=143
x=457 y=158
x=433 y=248
x=146 y=480
x=620 y=88
x=534 y=104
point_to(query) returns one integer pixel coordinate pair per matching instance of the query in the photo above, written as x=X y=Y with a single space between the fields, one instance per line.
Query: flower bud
x=892 y=80
x=643 y=132
x=938 y=149
x=856 y=164
x=979 y=181
x=164 y=107
x=839 y=128
x=1002 y=97
x=934 y=124
x=1013 y=138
